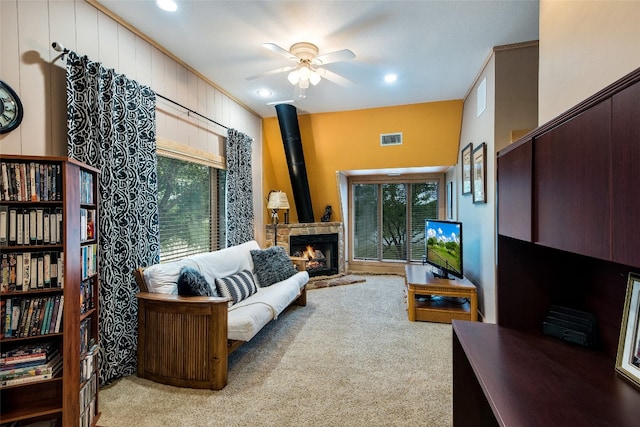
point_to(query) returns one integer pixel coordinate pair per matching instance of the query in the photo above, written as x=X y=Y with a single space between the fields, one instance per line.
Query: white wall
x=35 y=71
x=584 y=47
x=511 y=76
x=478 y=220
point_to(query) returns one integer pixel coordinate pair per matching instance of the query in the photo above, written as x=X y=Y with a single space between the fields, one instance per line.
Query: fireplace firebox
x=320 y=250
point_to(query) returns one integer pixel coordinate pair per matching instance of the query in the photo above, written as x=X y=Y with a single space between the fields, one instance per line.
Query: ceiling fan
x=308 y=67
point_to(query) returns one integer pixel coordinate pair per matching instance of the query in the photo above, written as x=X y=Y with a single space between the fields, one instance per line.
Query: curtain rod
x=190 y=110
x=58 y=47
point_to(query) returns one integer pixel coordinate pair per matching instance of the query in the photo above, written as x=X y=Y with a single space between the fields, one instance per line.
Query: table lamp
x=277 y=200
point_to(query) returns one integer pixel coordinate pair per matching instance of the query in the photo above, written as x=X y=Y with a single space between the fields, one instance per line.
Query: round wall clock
x=10 y=108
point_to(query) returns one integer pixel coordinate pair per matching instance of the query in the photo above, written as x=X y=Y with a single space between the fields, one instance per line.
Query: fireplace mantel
x=286 y=230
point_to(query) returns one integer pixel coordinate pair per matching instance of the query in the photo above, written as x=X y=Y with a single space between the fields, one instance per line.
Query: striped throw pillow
x=238 y=286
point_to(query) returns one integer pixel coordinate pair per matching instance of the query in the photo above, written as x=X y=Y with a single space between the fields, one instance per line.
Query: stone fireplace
x=326 y=238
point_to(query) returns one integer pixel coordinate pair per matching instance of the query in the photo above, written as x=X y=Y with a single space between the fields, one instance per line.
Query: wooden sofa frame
x=182 y=341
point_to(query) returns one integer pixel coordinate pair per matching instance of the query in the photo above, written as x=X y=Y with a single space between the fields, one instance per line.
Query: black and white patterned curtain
x=239 y=188
x=111 y=126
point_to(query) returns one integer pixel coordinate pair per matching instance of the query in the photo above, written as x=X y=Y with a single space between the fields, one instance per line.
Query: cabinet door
x=625 y=163
x=572 y=188
x=514 y=192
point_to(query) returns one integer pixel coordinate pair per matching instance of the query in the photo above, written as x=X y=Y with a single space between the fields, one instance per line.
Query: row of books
x=86 y=296
x=88 y=363
x=36 y=362
x=87 y=224
x=86 y=187
x=24 y=271
x=25 y=317
x=89 y=260
x=10 y=355
x=86 y=341
x=88 y=402
x=30 y=182
x=30 y=226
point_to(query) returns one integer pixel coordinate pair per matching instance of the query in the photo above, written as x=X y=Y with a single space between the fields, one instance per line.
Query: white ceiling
x=435 y=47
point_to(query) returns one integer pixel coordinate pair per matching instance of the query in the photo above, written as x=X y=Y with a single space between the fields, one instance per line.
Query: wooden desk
x=420 y=282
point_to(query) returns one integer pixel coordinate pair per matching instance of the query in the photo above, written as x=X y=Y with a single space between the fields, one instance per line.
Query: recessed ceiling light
x=168 y=5
x=390 y=78
x=265 y=93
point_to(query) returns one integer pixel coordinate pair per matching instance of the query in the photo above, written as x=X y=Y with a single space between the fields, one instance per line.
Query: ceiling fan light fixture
x=314 y=78
x=304 y=84
x=304 y=72
x=293 y=77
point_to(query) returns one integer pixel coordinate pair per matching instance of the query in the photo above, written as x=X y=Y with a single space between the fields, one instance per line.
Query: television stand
x=420 y=282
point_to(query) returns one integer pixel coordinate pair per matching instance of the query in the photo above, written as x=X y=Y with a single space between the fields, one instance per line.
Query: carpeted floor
x=349 y=358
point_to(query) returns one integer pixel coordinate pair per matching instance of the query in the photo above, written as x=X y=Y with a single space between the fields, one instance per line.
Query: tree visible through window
x=191 y=208
x=388 y=219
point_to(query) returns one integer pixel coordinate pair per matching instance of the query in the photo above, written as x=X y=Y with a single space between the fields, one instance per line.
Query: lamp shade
x=278 y=200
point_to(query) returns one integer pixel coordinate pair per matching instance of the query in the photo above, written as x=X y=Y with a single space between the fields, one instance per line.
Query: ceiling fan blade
x=339 y=55
x=272 y=72
x=280 y=51
x=335 y=78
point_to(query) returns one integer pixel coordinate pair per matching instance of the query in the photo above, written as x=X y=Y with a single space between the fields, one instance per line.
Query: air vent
x=391 y=138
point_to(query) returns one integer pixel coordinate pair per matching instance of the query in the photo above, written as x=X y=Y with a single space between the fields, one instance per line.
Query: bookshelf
x=49 y=291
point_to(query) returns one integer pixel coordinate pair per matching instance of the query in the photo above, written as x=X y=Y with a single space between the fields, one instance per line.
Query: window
x=388 y=218
x=191 y=208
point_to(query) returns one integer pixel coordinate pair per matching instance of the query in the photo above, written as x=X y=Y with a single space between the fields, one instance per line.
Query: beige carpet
x=349 y=358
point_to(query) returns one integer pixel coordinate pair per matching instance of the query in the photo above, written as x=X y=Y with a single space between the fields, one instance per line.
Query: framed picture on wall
x=628 y=358
x=466 y=169
x=479 y=171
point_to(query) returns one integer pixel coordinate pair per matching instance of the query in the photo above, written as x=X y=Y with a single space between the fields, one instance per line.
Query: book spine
x=26 y=358
x=25 y=380
x=59 y=316
x=4 y=225
x=8 y=311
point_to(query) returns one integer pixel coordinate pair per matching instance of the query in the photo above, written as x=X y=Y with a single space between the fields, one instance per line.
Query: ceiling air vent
x=391 y=138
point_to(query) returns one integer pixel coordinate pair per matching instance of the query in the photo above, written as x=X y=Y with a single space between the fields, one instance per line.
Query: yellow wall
x=350 y=140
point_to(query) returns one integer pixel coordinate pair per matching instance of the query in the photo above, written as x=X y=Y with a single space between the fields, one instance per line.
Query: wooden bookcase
x=568 y=234
x=65 y=192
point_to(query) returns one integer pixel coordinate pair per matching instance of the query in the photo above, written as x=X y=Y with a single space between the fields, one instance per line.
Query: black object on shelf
x=575 y=326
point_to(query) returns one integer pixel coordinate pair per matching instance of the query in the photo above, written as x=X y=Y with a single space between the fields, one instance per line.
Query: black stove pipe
x=288 y=120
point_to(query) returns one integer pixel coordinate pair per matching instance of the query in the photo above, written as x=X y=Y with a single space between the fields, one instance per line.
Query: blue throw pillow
x=191 y=283
x=272 y=265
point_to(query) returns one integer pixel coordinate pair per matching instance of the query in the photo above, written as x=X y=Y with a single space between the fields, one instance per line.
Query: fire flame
x=310 y=253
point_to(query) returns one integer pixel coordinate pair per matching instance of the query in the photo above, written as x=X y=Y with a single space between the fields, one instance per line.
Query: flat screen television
x=443 y=240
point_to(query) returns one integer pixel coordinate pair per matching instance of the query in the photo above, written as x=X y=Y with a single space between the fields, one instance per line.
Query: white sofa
x=185 y=341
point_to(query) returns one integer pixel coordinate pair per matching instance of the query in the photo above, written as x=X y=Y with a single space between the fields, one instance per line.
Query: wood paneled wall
x=37 y=74
x=35 y=71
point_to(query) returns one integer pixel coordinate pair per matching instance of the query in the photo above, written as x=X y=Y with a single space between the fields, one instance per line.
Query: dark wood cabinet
x=572 y=168
x=579 y=200
x=625 y=164
x=514 y=191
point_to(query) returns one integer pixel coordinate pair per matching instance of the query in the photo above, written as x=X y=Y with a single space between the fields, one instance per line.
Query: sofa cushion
x=191 y=283
x=163 y=278
x=272 y=265
x=238 y=286
x=249 y=316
